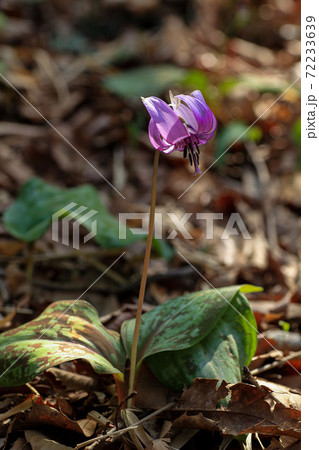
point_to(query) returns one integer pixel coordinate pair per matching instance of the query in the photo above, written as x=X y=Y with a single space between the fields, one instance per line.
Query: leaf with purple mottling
x=210 y=333
x=65 y=331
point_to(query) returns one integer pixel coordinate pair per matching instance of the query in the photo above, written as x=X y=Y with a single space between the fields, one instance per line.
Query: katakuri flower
x=183 y=125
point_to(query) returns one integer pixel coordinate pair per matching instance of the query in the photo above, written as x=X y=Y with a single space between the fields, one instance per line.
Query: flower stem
x=143 y=280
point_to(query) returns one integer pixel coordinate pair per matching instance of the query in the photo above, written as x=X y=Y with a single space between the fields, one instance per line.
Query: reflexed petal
x=197 y=94
x=211 y=123
x=156 y=139
x=204 y=116
x=167 y=122
x=210 y=134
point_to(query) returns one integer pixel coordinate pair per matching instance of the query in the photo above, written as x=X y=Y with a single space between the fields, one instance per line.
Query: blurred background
x=84 y=65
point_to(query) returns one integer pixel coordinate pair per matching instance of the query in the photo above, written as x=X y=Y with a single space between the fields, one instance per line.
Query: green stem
x=143 y=280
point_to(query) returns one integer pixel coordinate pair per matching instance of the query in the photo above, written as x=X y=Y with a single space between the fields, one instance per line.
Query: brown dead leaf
x=288 y=397
x=158 y=444
x=290 y=442
x=71 y=380
x=39 y=441
x=44 y=415
x=248 y=411
x=87 y=426
x=98 y=418
x=20 y=444
x=285 y=442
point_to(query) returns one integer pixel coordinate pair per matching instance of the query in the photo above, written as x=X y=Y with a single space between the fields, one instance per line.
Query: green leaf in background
x=65 y=331
x=235 y=131
x=30 y=216
x=253 y=82
x=3 y=21
x=197 y=79
x=296 y=132
x=163 y=249
x=204 y=326
x=145 y=81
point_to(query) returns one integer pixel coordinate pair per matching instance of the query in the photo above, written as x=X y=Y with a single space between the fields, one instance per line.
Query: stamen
x=190 y=159
x=197 y=148
x=191 y=148
x=185 y=151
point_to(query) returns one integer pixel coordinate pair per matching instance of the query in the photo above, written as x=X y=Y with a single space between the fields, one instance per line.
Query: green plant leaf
x=235 y=131
x=253 y=82
x=296 y=132
x=163 y=249
x=230 y=345
x=145 y=81
x=186 y=321
x=30 y=216
x=65 y=331
x=197 y=79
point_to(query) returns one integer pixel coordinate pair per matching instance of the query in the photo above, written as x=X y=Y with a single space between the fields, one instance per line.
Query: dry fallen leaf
x=249 y=410
x=72 y=381
x=39 y=441
x=158 y=444
x=19 y=444
x=288 y=397
x=43 y=415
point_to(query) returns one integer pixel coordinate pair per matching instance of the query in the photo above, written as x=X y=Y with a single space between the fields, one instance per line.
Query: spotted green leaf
x=209 y=333
x=65 y=331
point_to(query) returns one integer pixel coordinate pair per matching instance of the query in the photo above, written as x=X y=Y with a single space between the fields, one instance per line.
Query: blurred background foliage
x=84 y=65
x=240 y=54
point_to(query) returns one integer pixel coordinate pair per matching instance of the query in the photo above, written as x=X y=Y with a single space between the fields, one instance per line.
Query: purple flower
x=183 y=125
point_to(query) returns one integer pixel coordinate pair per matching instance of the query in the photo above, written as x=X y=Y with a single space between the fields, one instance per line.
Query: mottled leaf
x=66 y=330
x=206 y=329
x=30 y=216
x=230 y=345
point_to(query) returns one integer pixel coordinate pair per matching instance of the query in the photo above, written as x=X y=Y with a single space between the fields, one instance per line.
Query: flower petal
x=187 y=115
x=166 y=120
x=210 y=134
x=156 y=139
x=205 y=118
